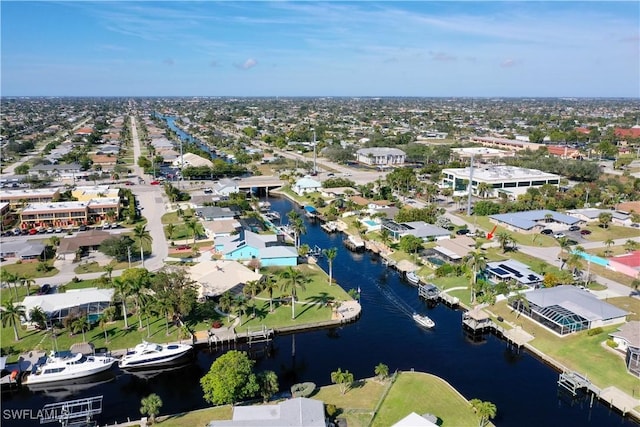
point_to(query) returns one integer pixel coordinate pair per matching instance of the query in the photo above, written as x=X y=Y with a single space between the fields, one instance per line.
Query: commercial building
x=381 y=156
x=480 y=154
x=66 y=214
x=504 y=143
x=86 y=193
x=511 y=180
x=17 y=198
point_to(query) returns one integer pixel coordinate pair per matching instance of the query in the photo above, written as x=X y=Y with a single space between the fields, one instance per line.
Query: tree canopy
x=230 y=379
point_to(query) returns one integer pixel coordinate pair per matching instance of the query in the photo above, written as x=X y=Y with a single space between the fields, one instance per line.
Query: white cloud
x=249 y=63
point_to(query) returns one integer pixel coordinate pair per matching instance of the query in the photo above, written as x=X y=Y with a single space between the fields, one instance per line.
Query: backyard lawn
x=30 y=269
x=579 y=352
x=357 y=405
x=425 y=393
x=201 y=417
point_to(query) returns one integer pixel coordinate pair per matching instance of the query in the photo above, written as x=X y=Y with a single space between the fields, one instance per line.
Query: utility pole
x=469 y=186
x=315 y=167
x=129 y=255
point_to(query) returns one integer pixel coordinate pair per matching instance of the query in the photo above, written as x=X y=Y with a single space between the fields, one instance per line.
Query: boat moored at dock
x=148 y=354
x=65 y=366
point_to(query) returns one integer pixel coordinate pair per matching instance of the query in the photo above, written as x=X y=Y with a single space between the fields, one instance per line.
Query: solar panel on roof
x=499 y=272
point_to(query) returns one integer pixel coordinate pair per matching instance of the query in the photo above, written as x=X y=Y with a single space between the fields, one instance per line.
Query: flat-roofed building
x=511 y=180
x=17 y=198
x=381 y=156
x=480 y=153
x=86 y=193
x=504 y=143
x=53 y=214
x=529 y=222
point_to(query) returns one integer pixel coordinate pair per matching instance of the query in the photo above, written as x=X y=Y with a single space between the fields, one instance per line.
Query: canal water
x=523 y=388
x=184 y=136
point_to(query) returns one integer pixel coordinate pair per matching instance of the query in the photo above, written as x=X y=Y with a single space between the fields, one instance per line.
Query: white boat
x=149 y=354
x=65 y=366
x=412 y=278
x=423 y=320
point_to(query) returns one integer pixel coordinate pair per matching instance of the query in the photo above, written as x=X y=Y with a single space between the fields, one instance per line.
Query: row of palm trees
x=288 y=281
x=15 y=279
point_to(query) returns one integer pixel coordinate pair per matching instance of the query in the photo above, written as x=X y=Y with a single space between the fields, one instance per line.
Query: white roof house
x=414 y=420
x=306 y=184
x=90 y=300
x=219 y=276
x=191 y=159
x=298 y=412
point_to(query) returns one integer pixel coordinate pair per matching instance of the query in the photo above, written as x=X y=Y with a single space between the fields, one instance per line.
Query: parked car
x=82 y=228
x=559 y=235
x=45 y=289
x=50 y=230
x=208 y=191
x=462 y=232
x=635 y=225
x=16 y=232
x=585 y=232
x=547 y=231
x=574 y=228
x=155 y=182
x=33 y=231
x=58 y=230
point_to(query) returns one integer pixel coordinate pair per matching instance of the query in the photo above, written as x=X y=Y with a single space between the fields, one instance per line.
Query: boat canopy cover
x=310 y=209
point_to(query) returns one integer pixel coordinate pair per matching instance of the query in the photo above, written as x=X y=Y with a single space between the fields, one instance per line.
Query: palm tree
x=291 y=280
x=170 y=230
x=138 y=286
x=477 y=262
x=240 y=303
x=142 y=236
x=483 y=189
x=80 y=324
x=122 y=289
x=331 y=254
x=518 y=301
x=381 y=370
x=630 y=245
x=39 y=317
x=103 y=326
x=11 y=314
x=564 y=246
x=226 y=302
x=297 y=224
x=504 y=239
x=108 y=269
x=484 y=410
x=194 y=227
x=385 y=236
x=164 y=306
x=8 y=278
x=151 y=405
x=608 y=243
x=270 y=284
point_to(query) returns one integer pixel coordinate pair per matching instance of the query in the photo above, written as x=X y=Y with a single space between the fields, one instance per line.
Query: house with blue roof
x=247 y=245
x=530 y=222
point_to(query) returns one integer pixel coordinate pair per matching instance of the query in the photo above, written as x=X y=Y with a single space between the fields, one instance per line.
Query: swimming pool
x=594 y=259
x=370 y=222
x=435 y=261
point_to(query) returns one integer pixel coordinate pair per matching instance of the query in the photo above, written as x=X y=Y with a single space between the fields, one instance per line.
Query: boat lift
x=77 y=412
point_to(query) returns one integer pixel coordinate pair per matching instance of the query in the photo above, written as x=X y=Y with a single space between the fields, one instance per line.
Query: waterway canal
x=523 y=388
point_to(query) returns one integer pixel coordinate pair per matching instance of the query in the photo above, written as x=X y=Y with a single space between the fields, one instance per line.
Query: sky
x=313 y=48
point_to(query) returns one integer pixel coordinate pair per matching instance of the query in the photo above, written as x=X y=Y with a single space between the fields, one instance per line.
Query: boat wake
x=395 y=299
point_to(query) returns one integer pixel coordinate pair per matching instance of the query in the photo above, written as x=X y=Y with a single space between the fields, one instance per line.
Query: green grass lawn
x=94 y=267
x=579 y=352
x=536 y=239
x=357 y=404
x=197 y=418
x=613 y=232
x=30 y=269
x=424 y=393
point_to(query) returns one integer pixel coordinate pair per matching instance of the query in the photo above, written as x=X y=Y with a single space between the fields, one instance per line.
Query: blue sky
x=310 y=48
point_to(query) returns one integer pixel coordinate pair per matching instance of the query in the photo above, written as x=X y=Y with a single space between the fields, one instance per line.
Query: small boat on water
x=65 y=366
x=149 y=354
x=423 y=320
x=412 y=278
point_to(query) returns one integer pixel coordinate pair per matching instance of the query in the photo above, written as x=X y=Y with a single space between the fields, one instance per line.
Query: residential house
x=216 y=213
x=90 y=301
x=628 y=264
x=216 y=277
x=220 y=228
x=512 y=270
x=225 y=187
x=627 y=337
x=297 y=412
x=247 y=245
x=530 y=222
x=191 y=159
x=61 y=170
x=421 y=229
x=305 y=185
x=29 y=250
x=593 y=215
x=566 y=309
